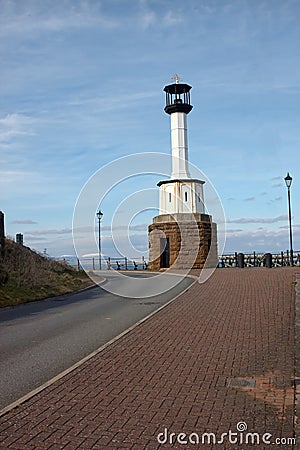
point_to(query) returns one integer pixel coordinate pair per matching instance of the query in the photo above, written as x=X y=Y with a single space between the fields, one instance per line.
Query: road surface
x=41 y=339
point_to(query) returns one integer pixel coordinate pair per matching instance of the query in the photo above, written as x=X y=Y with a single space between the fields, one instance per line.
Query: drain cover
x=149 y=303
x=241 y=382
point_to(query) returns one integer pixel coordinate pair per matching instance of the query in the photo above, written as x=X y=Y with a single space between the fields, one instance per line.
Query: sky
x=81 y=86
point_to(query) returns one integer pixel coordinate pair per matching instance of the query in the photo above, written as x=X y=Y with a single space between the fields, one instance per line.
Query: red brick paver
x=172 y=372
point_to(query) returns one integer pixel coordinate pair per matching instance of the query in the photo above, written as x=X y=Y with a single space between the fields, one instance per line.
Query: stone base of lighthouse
x=182 y=241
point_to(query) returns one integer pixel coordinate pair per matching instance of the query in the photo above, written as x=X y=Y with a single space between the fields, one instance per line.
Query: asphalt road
x=41 y=339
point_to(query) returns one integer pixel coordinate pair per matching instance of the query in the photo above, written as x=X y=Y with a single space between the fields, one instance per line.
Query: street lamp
x=99 y=215
x=288 y=181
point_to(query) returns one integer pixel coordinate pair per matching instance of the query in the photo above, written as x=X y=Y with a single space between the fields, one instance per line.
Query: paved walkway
x=218 y=358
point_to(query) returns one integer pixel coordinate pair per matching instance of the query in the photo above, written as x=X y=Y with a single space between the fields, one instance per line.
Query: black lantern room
x=178 y=98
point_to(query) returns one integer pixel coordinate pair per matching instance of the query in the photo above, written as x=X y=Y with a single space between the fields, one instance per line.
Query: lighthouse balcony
x=178 y=107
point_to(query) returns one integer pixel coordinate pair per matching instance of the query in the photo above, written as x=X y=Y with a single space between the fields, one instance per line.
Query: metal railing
x=254 y=259
x=108 y=263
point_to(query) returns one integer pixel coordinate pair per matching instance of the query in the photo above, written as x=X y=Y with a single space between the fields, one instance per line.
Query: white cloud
x=87 y=229
x=259 y=219
x=39 y=17
x=111 y=102
x=15 y=177
x=150 y=17
x=147 y=19
x=49 y=231
x=13 y=125
x=24 y=222
x=139 y=227
x=171 y=18
x=261 y=240
x=35 y=239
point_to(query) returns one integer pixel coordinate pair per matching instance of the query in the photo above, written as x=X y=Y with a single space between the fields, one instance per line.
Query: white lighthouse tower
x=180 y=194
x=182 y=235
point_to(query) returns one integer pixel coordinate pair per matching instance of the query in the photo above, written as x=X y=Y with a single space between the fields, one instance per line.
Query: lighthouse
x=182 y=235
x=181 y=193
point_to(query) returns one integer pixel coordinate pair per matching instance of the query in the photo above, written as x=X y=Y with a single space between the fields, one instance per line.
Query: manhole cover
x=240 y=382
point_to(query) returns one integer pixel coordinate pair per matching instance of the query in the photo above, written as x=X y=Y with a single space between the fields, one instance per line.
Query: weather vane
x=176 y=78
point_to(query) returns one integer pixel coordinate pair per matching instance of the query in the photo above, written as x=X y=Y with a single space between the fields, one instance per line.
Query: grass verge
x=26 y=276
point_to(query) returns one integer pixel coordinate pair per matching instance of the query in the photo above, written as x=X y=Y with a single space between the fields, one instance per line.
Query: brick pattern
x=172 y=372
x=190 y=243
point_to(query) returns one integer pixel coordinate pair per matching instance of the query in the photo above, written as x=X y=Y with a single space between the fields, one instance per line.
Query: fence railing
x=254 y=259
x=107 y=263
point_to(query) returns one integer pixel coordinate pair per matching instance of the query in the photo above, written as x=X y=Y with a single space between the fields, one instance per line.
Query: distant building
x=19 y=238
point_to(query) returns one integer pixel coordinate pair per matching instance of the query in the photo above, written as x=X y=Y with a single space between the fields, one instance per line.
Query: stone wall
x=190 y=241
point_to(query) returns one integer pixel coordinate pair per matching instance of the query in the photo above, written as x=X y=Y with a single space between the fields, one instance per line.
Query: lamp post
x=99 y=215
x=288 y=181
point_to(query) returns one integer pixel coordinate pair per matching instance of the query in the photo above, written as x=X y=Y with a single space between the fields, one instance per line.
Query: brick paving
x=175 y=371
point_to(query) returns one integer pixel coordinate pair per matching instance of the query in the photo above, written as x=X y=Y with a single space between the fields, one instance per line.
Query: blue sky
x=81 y=86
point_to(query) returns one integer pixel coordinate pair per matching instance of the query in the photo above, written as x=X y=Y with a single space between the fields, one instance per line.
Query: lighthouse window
x=170 y=197
x=185 y=196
